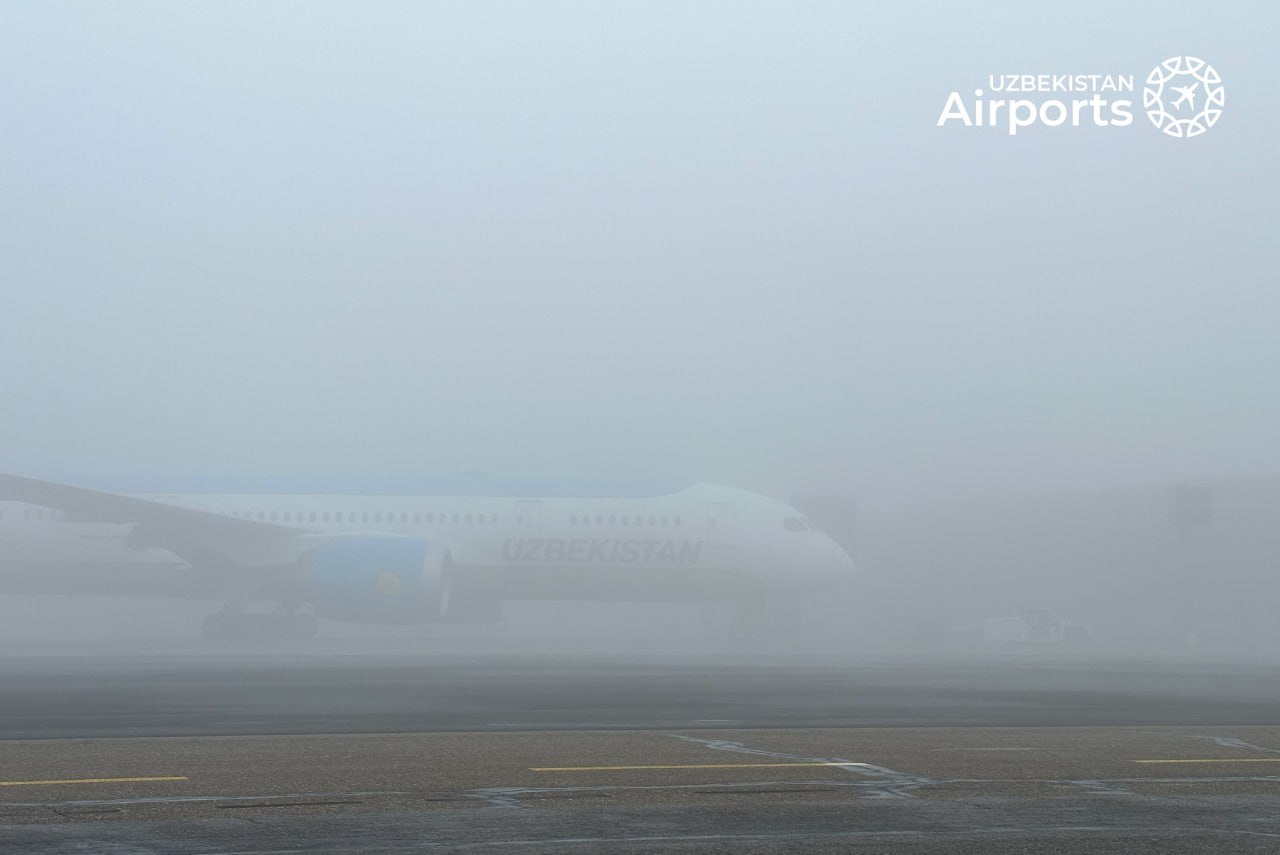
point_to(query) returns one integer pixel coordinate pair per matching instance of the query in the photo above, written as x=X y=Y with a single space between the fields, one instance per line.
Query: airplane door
x=720 y=524
x=528 y=520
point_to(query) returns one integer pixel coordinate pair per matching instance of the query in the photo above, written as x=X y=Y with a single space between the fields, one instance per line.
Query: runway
x=285 y=753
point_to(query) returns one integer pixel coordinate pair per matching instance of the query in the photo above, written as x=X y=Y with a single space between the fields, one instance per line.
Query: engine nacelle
x=377 y=579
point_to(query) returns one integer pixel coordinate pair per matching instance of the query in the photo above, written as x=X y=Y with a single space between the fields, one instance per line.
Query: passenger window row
x=377 y=517
x=416 y=518
x=625 y=519
x=39 y=514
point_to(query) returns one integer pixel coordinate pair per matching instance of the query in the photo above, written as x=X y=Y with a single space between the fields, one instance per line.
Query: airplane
x=451 y=556
x=1186 y=94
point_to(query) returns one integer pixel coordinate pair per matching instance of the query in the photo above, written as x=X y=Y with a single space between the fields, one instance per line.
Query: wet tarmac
x=290 y=752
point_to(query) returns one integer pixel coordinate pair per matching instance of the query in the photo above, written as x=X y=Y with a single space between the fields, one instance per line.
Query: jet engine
x=377 y=579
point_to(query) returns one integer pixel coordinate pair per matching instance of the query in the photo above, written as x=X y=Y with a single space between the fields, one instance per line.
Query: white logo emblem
x=1199 y=96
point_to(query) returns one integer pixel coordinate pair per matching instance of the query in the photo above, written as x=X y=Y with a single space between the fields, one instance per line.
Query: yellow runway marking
x=1214 y=760
x=682 y=766
x=91 y=781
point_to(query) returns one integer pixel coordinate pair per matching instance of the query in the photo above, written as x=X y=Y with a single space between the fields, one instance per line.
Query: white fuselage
x=704 y=541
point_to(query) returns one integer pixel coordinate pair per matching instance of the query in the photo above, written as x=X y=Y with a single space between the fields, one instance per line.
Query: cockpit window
x=794 y=524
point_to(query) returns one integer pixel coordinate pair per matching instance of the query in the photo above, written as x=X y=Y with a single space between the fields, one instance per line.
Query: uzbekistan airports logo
x=1199 y=96
x=1183 y=97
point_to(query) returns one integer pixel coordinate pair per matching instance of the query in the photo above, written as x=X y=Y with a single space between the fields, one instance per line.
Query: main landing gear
x=230 y=625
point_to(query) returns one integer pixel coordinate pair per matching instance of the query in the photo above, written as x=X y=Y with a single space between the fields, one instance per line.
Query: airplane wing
x=193 y=534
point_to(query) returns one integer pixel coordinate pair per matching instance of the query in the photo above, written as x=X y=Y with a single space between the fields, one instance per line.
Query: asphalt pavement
x=232 y=752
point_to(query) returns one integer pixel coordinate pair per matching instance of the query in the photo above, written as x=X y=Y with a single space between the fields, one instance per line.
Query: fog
x=717 y=242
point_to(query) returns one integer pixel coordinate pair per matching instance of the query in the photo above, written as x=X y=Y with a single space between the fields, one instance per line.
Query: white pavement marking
x=882 y=782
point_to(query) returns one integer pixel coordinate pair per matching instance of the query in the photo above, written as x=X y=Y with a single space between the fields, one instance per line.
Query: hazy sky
x=703 y=240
